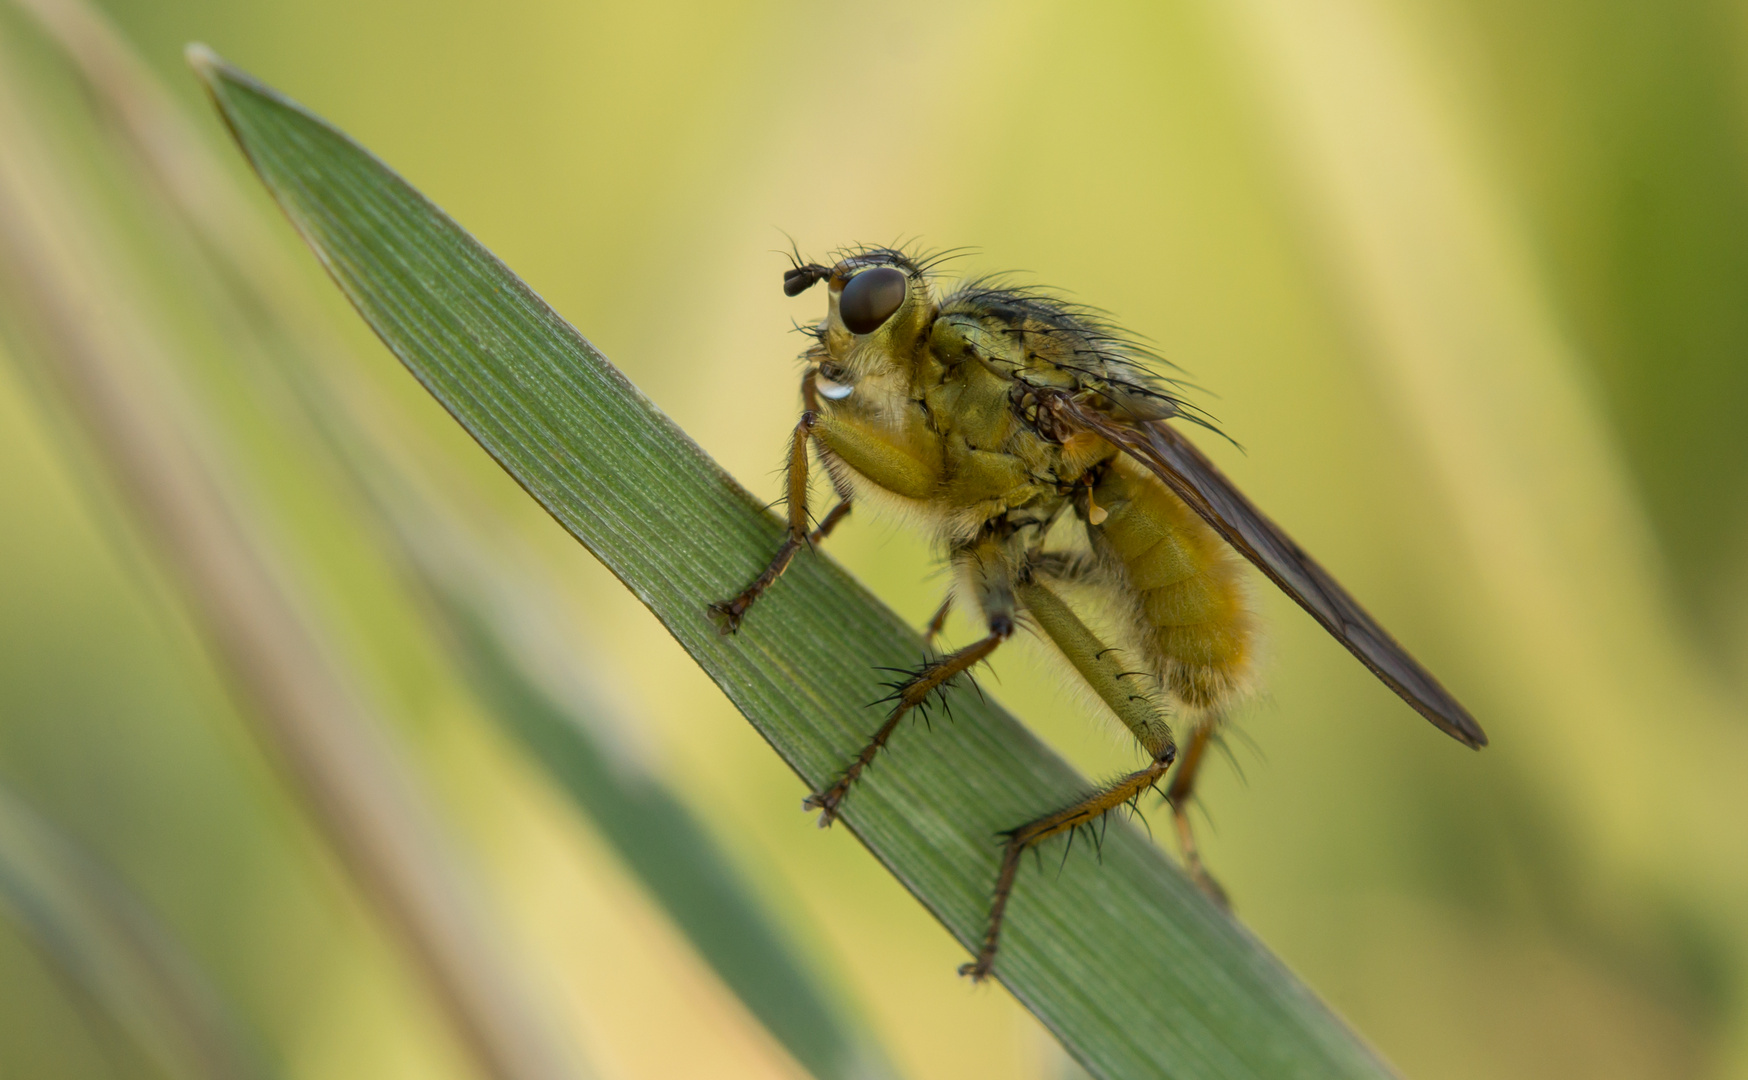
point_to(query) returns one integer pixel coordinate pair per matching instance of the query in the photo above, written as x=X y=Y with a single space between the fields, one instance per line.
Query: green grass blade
x=103 y=941
x=1125 y=961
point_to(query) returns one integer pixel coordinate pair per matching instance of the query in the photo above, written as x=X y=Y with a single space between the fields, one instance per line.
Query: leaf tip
x=230 y=87
x=221 y=75
x=206 y=63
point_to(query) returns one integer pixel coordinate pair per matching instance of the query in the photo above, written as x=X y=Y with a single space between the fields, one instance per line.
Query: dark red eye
x=870 y=299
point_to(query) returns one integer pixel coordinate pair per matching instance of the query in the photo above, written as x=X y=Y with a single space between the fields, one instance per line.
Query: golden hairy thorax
x=946 y=421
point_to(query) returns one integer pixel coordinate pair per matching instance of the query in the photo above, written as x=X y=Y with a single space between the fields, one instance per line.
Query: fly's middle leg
x=912 y=693
x=985 y=562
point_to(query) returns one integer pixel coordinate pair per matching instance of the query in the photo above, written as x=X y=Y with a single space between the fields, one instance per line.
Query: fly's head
x=879 y=311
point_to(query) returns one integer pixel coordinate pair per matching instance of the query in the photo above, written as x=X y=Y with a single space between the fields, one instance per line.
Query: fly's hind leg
x=1179 y=794
x=1140 y=710
x=1088 y=810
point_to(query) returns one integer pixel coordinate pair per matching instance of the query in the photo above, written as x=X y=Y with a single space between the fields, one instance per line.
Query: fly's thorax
x=1002 y=358
x=1000 y=342
x=1187 y=593
x=923 y=403
x=971 y=401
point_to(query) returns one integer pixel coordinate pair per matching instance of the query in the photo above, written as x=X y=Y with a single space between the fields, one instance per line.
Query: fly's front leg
x=729 y=613
x=830 y=521
x=871 y=449
x=1136 y=705
x=1183 y=786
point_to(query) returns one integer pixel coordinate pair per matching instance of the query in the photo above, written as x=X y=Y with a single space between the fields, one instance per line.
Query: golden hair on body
x=1035 y=440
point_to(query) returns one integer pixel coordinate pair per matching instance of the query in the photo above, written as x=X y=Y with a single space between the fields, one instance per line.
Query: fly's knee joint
x=1166 y=752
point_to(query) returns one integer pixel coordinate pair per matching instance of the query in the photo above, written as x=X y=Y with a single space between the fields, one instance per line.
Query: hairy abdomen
x=1188 y=592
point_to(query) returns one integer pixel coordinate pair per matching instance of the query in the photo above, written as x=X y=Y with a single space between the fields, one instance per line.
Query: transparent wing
x=1196 y=481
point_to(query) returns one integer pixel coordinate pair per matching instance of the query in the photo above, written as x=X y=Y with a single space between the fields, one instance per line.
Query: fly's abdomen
x=1187 y=587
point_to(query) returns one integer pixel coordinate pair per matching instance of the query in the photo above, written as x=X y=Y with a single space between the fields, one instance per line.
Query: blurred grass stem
x=100 y=356
x=1460 y=325
x=112 y=951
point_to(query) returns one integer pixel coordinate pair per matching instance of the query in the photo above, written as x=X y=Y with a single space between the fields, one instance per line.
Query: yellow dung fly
x=1044 y=448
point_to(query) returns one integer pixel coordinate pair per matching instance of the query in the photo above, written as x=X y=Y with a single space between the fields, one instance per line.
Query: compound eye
x=870 y=299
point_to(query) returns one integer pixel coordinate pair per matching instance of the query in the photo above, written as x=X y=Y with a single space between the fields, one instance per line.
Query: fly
x=995 y=412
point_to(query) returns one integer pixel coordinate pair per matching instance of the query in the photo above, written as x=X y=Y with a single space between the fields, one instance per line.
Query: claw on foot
x=978 y=969
x=826 y=804
x=724 y=614
x=1211 y=888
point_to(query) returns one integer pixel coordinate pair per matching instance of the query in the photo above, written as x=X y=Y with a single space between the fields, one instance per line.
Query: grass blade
x=1127 y=964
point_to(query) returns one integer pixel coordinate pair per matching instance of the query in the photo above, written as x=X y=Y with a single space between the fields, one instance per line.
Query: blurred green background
x=1467 y=279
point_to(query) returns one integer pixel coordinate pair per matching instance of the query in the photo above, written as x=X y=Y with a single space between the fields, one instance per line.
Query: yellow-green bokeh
x=1505 y=914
